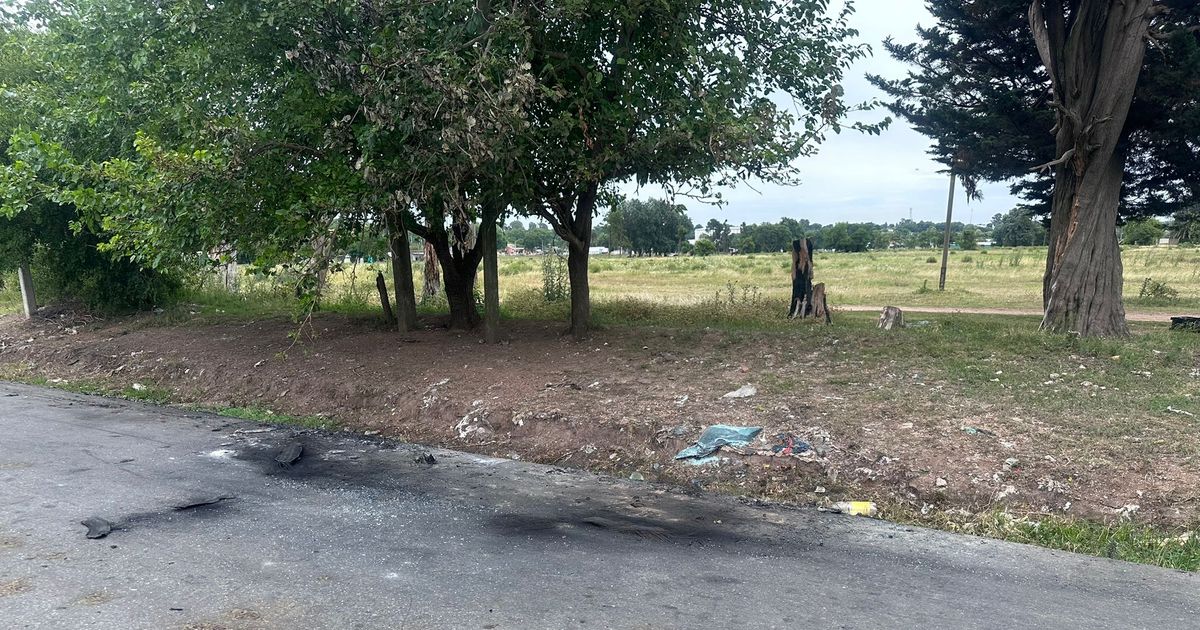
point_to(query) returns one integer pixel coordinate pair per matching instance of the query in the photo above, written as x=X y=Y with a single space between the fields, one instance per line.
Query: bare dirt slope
x=628 y=400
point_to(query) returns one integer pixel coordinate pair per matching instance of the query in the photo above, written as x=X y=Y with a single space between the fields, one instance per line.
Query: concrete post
x=27 y=296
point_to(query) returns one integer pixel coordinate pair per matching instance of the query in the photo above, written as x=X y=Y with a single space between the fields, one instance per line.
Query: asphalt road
x=358 y=533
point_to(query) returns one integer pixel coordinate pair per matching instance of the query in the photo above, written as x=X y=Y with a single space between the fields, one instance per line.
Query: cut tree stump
x=1185 y=323
x=820 y=308
x=890 y=318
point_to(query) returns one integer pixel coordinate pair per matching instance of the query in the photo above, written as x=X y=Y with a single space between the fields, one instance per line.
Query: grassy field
x=995 y=278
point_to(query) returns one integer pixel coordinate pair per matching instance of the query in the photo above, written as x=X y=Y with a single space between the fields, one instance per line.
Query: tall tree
x=993 y=75
x=649 y=227
x=674 y=92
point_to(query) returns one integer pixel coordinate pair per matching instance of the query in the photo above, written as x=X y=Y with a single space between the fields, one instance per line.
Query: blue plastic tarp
x=715 y=437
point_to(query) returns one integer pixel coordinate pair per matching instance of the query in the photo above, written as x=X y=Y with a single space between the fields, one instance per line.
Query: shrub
x=931 y=260
x=705 y=247
x=1154 y=290
x=555 y=285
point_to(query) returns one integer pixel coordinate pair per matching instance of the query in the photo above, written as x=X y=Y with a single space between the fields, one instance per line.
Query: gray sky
x=858 y=177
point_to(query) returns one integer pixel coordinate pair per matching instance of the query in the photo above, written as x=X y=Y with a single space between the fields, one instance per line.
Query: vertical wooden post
x=402 y=277
x=28 y=299
x=946 y=237
x=491 y=282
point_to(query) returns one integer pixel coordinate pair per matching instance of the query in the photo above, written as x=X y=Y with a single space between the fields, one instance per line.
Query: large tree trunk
x=571 y=218
x=402 y=277
x=491 y=282
x=459 y=269
x=1093 y=52
x=432 y=278
x=581 y=299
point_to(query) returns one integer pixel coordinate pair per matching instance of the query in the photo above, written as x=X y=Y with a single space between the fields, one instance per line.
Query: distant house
x=1168 y=240
x=513 y=250
x=596 y=251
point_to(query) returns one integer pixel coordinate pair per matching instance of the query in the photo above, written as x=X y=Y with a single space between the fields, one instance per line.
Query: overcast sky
x=859 y=177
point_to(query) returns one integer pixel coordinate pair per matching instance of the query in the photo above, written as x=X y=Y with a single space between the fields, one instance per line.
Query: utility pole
x=946 y=237
x=25 y=279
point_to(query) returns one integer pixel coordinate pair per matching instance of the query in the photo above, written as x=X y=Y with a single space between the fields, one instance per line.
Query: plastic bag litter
x=716 y=436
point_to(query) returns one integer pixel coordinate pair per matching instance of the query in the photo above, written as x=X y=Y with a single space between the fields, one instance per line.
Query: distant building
x=513 y=250
x=596 y=251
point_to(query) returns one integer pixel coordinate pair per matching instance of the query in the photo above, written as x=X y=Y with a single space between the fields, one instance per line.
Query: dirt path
x=1133 y=316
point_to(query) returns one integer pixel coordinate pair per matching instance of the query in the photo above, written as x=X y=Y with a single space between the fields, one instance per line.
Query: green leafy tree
x=704 y=247
x=1017 y=228
x=968 y=239
x=1142 y=232
x=676 y=93
x=649 y=227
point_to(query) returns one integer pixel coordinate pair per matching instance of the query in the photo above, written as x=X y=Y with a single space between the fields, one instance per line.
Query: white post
x=27 y=297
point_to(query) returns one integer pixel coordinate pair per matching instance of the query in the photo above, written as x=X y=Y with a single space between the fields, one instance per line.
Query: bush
x=931 y=260
x=81 y=274
x=555 y=285
x=705 y=247
x=1153 y=290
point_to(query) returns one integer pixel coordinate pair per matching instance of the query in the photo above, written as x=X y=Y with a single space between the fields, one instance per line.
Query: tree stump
x=890 y=318
x=802 y=275
x=820 y=308
x=1185 y=323
x=381 y=284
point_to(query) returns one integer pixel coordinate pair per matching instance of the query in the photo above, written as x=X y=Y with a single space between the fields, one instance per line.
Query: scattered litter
x=977 y=431
x=426 y=458
x=819 y=490
x=906 y=425
x=855 y=508
x=97 y=527
x=681 y=401
x=704 y=461
x=138 y=387
x=289 y=454
x=1011 y=463
x=1005 y=492
x=1180 y=411
x=716 y=436
x=221 y=453
x=263 y=430
x=788 y=444
x=637 y=476
x=745 y=391
x=940 y=482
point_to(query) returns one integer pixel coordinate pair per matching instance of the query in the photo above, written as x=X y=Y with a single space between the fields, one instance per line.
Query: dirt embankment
x=624 y=402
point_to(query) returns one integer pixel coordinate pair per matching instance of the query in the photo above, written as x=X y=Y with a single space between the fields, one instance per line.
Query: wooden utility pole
x=946 y=237
x=25 y=279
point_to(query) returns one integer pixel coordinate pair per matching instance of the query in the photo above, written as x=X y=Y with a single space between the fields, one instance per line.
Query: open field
x=994 y=278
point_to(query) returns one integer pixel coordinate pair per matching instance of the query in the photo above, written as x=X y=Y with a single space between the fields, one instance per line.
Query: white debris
x=745 y=391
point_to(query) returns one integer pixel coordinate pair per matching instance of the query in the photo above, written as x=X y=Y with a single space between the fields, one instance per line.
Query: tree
x=720 y=232
x=675 y=93
x=1142 y=232
x=991 y=77
x=47 y=127
x=1185 y=225
x=968 y=239
x=705 y=247
x=1017 y=228
x=649 y=227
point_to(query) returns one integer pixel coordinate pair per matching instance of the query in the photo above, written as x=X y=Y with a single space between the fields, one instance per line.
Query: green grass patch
x=260 y=414
x=1168 y=548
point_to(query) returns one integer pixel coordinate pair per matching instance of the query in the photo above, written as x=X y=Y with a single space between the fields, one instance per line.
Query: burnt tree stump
x=802 y=276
